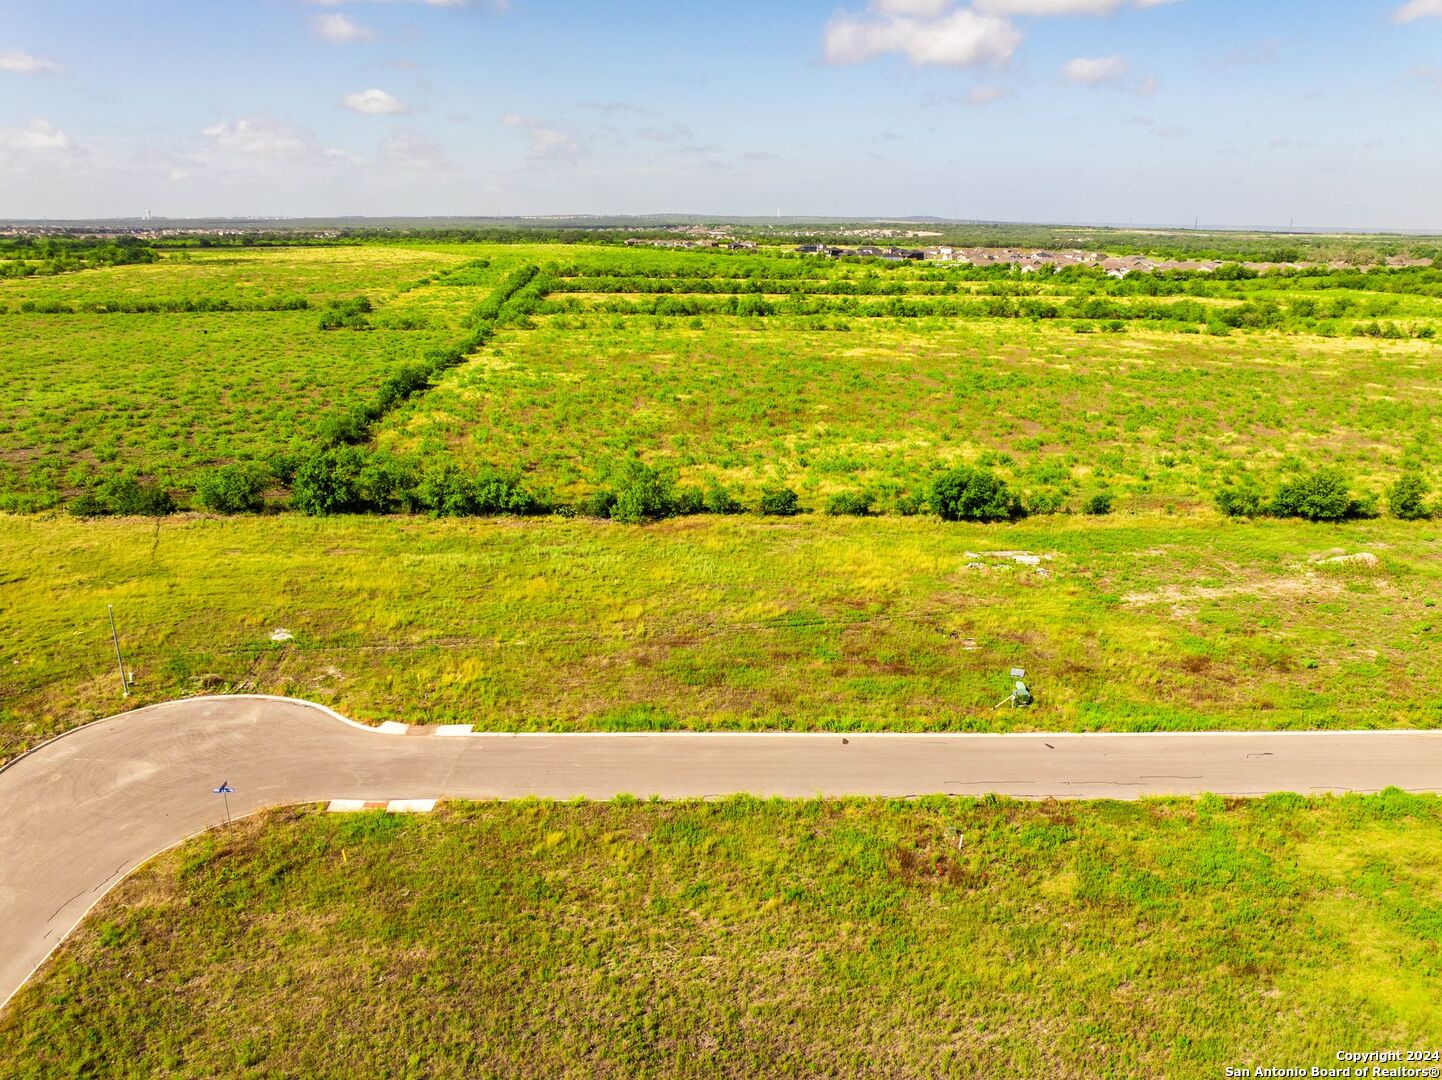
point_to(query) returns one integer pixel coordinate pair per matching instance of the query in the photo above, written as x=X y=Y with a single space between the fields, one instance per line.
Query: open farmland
x=738 y=938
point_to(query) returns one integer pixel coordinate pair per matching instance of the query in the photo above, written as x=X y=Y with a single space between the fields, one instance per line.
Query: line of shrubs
x=1326 y=496
x=354 y=424
x=130 y=306
x=351 y=479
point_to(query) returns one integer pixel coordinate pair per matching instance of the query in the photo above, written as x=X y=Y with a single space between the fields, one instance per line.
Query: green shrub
x=1045 y=502
x=850 y=503
x=347 y=314
x=400 y=385
x=125 y=495
x=497 y=492
x=86 y=505
x=1099 y=504
x=283 y=465
x=1407 y=498
x=716 y=499
x=1322 y=496
x=233 y=489
x=329 y=482
x=779 y=502
x=1240 y=502
x=689 y=500
x=352 y=480
x=351 y=426
x=599 y=503
x=643 y=493
x=906 y=505
x=967 y=494
x=445 y=491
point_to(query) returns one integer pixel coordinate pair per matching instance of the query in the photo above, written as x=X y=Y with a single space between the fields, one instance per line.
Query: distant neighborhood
x=1030 y=261
x=1022 y=259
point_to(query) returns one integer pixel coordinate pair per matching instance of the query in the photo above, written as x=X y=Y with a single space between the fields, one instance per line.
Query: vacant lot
x=755 y=369
x=901 y=623
x=169 y=395
x=234 y=366
x=1159 y=418
x=742 y=938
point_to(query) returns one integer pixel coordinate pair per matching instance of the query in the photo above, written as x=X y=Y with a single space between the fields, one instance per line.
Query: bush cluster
x=1407 y=499
x=637 y=492
x=851 y=504
x=234 y=489
x=350 y=314
x=971 y=494
x=1324 y=495
x=448 y=491
x=124 y=496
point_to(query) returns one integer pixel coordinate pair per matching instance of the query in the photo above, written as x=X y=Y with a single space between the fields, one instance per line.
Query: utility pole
x=119 y=663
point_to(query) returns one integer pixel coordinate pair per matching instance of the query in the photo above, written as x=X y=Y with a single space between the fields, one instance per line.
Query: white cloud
x=1418 y=9
x=677 y=132
x=38 y=142
x=1060 y=7
x=928 y=9
x=494 y=5
x=1148 y=86
x=1096 y=70
x=548 y=144
x=411 y=150
x=985 y=95
x=36 y=137
x=373 y=102
x=960 y=38
x=1427 y=75
x=24 y=63
x=338 y=29
x=263 y=137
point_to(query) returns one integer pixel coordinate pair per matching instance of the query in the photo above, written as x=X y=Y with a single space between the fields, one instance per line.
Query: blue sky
x=1326 y=112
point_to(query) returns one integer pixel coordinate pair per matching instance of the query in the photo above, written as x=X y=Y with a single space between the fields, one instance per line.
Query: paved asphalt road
x=84 y=810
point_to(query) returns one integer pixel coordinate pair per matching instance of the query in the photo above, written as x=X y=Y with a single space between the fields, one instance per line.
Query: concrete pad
x=411 y=806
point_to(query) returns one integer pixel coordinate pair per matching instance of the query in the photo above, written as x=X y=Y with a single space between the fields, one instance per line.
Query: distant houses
x=1024 y=261
x=892 y=254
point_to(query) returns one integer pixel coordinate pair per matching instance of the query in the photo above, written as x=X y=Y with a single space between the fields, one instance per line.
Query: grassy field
x=757 y=369
x=93 y=390
x=1158 y=418
x=744 y=938
x=814 y=622
x=171 y=394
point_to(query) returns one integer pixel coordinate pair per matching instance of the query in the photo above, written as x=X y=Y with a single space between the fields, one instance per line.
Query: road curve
x=82 y=811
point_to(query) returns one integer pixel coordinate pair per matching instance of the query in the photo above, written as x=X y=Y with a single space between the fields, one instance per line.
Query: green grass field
x=813 y=622
x=744 y=938
x=168 y=394
x=753 y=368
x=1159 y=418
x=735 y=938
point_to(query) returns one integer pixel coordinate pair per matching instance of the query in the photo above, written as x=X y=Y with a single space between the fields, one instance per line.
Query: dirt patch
x=1181 y=597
